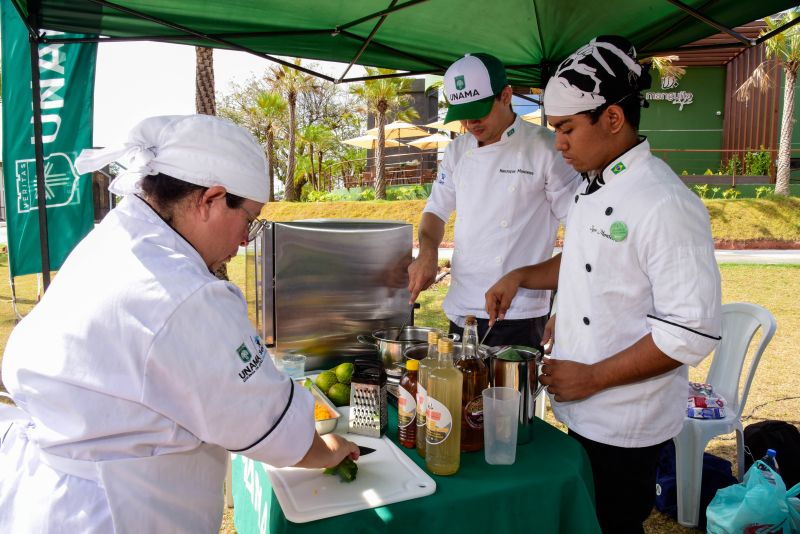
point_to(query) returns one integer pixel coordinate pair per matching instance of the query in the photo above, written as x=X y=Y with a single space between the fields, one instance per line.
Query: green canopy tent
x=415 y=36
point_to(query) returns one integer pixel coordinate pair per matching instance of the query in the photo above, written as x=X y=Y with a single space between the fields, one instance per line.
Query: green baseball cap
x=470 y=85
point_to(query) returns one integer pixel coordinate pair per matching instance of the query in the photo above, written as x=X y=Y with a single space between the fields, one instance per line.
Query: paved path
x=764 y=257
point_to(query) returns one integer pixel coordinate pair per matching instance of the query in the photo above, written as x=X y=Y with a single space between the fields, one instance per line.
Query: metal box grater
x=368 y=412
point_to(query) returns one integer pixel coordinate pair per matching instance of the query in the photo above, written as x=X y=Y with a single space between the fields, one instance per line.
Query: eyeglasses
x=254 y=225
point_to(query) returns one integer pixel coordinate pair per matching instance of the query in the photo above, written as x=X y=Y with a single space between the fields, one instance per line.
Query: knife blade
x=363 y=451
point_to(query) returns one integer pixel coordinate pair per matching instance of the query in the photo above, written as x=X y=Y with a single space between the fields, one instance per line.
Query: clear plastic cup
x=500 y=421
x=294 y=364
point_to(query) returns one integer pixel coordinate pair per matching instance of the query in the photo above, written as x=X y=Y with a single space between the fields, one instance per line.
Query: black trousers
x=526 y=332
x=624 y=484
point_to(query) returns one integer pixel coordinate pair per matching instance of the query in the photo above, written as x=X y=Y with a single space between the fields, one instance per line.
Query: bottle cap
x=412 y=364
x=771 y=453
x=445 y=345
x=433 y=337
x=470 y=319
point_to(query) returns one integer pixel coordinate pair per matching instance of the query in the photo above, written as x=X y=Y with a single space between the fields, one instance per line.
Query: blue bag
x=716 y=475
x=757 y=505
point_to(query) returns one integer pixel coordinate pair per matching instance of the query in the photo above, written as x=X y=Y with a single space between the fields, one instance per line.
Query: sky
x=138 y=80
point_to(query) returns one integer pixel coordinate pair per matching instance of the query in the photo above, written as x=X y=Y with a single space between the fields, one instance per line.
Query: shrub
x=701 y=190
x=731 y=194
x=406 y=192
x=764 y=191
x=732 y=167
x=758 y=163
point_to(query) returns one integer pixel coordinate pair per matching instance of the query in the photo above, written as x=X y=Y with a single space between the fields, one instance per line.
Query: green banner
x=67 y=90
x=251 y=495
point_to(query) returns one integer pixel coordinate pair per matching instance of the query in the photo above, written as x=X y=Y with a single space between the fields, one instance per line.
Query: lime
x=325 y=380
x=307 y=384
x=344 y=372
x=339 y=394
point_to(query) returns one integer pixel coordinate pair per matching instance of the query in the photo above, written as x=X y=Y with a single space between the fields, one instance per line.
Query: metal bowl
x=418 y=352
x=323 y=426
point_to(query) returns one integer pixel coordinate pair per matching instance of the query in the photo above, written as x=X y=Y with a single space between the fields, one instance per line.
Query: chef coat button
x=512 y=188
x=504 y=223
x=609 y=210
x=588 y=268
x=498 y=259
x=576 y=198
x=586 y=320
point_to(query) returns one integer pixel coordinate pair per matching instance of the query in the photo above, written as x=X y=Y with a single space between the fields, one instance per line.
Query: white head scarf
x=199 y=149
x=603 y=71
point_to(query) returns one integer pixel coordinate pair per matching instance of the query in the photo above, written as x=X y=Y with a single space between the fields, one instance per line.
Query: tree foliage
x=783 y=49
x=381 y=97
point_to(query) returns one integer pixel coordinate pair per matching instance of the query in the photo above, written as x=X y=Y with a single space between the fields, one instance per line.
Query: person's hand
x=549 y=335
x=421 y=274
x=567 y=380
x=340 y=448
x=500 y=295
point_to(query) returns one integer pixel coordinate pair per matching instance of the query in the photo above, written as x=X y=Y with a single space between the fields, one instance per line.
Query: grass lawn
x=775 y=393
x=775 y=219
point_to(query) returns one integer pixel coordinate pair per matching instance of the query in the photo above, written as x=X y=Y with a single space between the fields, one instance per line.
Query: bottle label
x=406 y=409
x=421 y=394
x=438 y=422
x=473 y=413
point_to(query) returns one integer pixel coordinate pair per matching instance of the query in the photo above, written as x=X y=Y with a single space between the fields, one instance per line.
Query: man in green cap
x=509 y=188
x=638 y=285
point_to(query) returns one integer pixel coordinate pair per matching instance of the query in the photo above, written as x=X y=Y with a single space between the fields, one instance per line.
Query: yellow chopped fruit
x=321 y=411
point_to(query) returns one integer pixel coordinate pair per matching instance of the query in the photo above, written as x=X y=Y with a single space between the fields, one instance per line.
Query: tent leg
x=36 y=98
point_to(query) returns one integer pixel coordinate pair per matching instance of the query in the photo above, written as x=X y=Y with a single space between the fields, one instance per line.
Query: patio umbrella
x=534 y=116
x=399 y=130
x=454 y=126
x=435 y=141
x=370 y=142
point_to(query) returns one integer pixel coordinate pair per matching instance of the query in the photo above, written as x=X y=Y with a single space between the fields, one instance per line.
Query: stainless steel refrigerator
x=314 y=286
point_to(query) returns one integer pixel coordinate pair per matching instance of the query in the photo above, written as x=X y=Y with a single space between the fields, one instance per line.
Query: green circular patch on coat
x=619 y=231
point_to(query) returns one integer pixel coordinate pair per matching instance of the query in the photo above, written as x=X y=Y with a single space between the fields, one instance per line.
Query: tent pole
x=41 y=200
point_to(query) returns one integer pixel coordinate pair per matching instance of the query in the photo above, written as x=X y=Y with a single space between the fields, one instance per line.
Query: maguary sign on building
x=679 y=98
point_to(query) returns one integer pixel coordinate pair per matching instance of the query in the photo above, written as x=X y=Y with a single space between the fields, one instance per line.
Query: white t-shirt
x=137 y=350
x=638 y=258
x=509 y=198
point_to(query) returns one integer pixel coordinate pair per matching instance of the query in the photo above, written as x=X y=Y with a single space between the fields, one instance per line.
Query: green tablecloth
x=548 y=489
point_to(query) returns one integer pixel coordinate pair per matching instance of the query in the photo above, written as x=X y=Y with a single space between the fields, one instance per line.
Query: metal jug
x=518 y=367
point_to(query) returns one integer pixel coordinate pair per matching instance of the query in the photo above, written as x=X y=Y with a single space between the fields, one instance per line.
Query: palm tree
x=291 y=82
x=379 y=97
x=320 y=139
x=204 y=103
x=271 y=110
x=204 y=81
x=785 y=47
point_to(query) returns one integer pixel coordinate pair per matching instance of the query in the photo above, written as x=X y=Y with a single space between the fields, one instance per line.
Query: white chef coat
x=638 y=258
x=138 y=351
x=509 y=198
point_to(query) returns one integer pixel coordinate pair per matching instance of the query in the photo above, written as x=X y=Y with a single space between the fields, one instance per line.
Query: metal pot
x=417 y=352
x=390 y=346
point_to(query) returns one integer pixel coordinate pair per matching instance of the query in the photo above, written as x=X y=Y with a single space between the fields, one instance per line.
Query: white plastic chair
x=740 y=321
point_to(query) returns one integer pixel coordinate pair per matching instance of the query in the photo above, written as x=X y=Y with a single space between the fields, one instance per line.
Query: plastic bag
x=794 y=506
x=757 y=505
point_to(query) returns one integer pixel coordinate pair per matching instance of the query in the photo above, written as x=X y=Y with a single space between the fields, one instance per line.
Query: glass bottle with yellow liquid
x=443 y=415
x=476 y=379
x=425 y=365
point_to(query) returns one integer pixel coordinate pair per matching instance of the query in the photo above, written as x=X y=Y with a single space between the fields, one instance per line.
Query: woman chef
x=139 y=370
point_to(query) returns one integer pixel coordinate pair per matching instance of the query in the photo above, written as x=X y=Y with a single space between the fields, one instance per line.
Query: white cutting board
x=385 y=476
